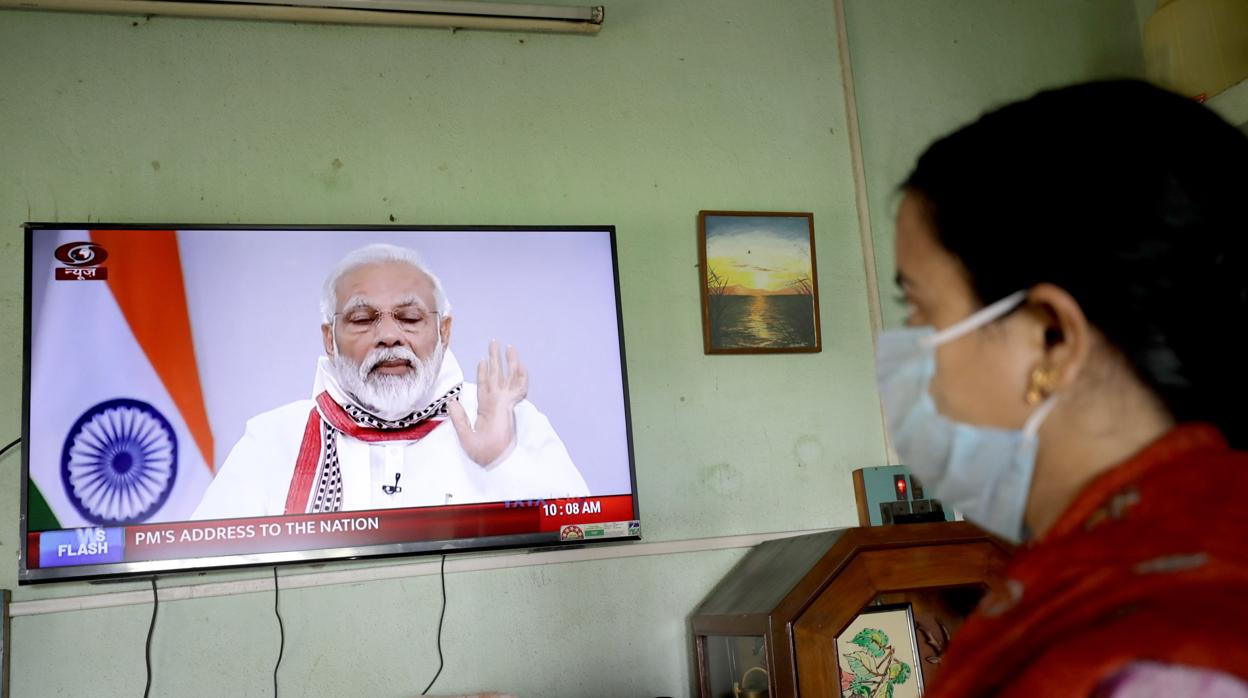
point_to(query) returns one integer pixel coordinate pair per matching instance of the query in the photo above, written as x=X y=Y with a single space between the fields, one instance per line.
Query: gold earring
x=1041 y=386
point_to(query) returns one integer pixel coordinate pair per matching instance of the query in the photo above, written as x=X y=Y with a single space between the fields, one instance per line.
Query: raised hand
x=500 y=387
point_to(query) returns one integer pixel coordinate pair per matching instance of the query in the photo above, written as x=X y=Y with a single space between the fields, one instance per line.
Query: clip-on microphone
x=391 y=489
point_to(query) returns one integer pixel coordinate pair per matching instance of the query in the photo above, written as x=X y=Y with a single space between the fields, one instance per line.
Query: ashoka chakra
x=119 y=462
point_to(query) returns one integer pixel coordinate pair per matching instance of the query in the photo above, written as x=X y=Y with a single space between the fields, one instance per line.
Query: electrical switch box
x=891 y=495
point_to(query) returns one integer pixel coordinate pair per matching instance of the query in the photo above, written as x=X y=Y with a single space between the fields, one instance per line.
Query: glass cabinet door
x=736 y=666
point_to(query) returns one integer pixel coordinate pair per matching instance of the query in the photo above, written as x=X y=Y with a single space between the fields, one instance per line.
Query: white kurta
x=434 y=471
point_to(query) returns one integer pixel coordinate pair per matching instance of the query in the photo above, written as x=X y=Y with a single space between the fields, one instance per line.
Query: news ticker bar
x=567 y=519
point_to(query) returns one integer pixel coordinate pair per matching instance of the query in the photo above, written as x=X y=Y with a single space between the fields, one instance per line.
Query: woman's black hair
x=1132 y=199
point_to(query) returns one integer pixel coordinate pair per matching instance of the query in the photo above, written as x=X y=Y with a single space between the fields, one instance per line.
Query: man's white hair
x=379 y=253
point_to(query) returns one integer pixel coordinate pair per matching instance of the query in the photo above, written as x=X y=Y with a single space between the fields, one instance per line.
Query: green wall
x=922 y=69
x=675 y=107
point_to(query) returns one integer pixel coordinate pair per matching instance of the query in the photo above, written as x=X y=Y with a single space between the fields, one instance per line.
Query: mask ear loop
x=976 y=320
x=1032 y=426
x=1030 y=430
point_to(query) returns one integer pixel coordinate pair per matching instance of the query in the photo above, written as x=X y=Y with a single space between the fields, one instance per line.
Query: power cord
x=11 y=444
x=281 y=628
x=441 y=616
x=151 y=627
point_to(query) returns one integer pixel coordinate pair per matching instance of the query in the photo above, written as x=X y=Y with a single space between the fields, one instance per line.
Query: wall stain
x=722 y=478
x=156 y=165
x=808 y=450
x=334 y=178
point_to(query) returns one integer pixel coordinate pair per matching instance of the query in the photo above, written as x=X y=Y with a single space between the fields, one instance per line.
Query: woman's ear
x=1066 y=334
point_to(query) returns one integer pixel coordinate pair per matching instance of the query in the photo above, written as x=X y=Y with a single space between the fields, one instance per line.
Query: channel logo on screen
x=82 y=262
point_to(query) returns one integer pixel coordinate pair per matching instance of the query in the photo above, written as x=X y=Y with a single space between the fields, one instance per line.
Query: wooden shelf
x=1232 y=103
x=789 y=599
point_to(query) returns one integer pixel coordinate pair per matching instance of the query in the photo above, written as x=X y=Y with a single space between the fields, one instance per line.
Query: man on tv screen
x=375 y=433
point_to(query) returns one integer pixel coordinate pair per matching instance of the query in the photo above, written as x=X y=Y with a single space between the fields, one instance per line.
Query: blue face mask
x=983 y=472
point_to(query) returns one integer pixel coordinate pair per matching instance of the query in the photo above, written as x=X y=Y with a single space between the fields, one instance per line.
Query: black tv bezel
x=125 y=570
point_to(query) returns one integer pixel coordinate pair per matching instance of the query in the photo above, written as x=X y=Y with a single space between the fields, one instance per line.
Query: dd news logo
x=82 y=262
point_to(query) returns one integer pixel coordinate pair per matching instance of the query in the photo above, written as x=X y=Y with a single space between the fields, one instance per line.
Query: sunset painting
x=759 y=292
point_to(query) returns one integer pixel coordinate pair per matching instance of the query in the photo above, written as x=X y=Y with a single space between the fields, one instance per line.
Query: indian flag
x=118 y=425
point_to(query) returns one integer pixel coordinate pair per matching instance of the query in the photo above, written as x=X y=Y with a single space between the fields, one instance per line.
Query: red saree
x=1148 y=563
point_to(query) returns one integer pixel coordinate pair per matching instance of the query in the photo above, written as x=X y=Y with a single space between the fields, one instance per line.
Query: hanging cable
x=150 y=628
x=281 y=628
x=441 y=616
x=9 y=445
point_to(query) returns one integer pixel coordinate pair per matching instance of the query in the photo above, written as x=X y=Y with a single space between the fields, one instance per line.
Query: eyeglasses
x=363 y=319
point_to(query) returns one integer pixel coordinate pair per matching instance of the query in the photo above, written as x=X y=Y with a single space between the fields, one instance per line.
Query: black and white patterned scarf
x=328 y=487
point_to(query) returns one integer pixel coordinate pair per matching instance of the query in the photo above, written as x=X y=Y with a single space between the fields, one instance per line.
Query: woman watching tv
x=1073 y=377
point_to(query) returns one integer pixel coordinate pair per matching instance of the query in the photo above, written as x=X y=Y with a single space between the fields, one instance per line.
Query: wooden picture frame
x=758 y=282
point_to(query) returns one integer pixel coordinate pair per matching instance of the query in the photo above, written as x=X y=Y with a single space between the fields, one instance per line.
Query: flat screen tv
x=201 y=397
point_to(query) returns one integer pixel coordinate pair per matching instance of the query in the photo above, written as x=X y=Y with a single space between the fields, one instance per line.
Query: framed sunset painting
x=760 y=294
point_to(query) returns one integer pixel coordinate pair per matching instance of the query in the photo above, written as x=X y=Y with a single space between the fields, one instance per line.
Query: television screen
x=200 y=397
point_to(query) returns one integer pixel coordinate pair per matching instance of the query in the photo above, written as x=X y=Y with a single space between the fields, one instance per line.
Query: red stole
x=312 y=450
x=1147 y=563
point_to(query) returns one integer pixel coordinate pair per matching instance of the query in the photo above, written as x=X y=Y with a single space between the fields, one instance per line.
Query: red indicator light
x=899 y=486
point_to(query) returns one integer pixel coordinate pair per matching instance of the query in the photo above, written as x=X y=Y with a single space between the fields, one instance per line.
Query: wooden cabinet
x=773 y=621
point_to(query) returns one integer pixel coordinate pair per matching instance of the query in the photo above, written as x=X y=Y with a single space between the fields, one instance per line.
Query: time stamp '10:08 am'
x=559 y=508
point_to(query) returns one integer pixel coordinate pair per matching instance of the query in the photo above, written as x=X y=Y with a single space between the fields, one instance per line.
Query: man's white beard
x=390 y=397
